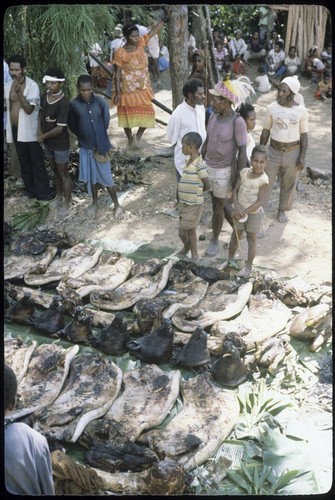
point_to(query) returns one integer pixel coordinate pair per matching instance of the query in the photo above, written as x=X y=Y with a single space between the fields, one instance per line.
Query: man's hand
x=300 y=164
x=16 y=87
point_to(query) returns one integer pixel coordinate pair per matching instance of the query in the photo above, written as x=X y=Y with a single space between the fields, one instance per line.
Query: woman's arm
x=117 y=84
x=155 y=29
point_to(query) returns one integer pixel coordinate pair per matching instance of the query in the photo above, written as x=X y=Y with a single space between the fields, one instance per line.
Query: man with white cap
x=286 y=124
x=225 y=145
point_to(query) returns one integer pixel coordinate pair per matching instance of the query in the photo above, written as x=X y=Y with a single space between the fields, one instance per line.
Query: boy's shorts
x=220 y=179
x=189 y=215
x=57 y=156
x=252 y=224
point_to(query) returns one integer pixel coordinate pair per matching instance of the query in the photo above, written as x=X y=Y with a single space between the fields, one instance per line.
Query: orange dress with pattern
x=135 y=108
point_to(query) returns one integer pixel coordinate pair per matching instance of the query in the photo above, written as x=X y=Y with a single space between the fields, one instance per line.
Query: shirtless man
x=286 y=124
x=23 y=99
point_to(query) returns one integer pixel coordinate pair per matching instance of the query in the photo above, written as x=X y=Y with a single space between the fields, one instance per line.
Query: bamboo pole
x=288 y=29
x=295 y=21
x=213 y=74
x=311 y=28
x=301 y=39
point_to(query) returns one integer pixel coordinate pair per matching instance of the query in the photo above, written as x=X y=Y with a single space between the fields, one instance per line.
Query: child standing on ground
x=193 y=182
x=249 y=195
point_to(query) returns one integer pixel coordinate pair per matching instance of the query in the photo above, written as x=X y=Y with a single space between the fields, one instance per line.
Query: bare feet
x=245 y=272
x=93 y=211
x=118 y=213
x=212 y=249
x=194 y=259
x=282 y=217
x=57 y=202
x=63 y=211
x=183 y=251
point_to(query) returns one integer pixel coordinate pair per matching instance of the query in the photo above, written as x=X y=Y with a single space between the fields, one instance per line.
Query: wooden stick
x=162 y=106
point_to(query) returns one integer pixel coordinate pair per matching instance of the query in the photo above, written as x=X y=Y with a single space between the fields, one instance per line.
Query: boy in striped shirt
x=193 y=182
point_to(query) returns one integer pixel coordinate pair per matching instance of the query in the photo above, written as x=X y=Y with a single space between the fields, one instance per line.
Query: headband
x=48 y=78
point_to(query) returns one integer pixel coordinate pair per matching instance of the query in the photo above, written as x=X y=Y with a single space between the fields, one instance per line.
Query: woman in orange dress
x=133 y=91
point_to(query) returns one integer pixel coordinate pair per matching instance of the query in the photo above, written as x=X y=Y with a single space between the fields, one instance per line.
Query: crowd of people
x=38 y=127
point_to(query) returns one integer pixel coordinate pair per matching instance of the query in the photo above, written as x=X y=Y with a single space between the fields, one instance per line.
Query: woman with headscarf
x=133 y=91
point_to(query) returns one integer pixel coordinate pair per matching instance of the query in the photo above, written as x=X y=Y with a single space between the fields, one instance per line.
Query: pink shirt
x=221 y=146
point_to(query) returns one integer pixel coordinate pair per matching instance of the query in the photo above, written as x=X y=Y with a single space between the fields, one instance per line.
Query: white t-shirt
x=249 y=188
x=153 y=46
x=286 y=123
x=250 y=145
x=97 y=51
x=27 y=125
x=185 y=119
x=164 y=52
x=276 y=57
x=318 y=65
x=292 y=64
x=237 y=46
x=263 y=83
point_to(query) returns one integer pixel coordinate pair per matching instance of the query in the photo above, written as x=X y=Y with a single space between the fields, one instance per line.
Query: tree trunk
x=206 y=42
x=214 y=75
x=178 y=36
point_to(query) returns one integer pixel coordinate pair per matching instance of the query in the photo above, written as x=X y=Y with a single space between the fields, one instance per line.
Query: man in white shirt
x=292 y=62
x=275 y=60
x=189 y=116
x=23 y=102
x=14 y=169
x=237 y=45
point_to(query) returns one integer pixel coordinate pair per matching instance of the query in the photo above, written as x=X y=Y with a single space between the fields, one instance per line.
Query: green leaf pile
x=34 y=216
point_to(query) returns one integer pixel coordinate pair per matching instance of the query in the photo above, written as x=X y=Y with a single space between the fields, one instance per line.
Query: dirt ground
x=302 y=247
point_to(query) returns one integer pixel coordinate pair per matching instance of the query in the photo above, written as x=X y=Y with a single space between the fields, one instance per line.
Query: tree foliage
x=59 y=35
x=232 y=17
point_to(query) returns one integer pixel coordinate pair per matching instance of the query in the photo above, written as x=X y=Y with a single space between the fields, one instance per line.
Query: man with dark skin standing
x=225 y=144
x=286 y=124
x=53 y=133
x=189 y=116
x=23 y=100
x=89 y=119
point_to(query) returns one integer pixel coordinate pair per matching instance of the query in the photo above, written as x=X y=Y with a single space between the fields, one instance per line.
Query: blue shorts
x=57 y=156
